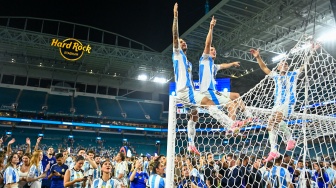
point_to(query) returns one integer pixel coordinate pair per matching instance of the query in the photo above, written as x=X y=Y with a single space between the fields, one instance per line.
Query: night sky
x=145 y=21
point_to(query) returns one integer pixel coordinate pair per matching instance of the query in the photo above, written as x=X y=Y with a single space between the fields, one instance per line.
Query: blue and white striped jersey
x=207 y=72
x=76 y=175
x=111 y=183
x=182 y=71
x=35 y=171
x=96 y=173
x=11 y=175
x=285 y=87
x=156 y=181
x=279 y=177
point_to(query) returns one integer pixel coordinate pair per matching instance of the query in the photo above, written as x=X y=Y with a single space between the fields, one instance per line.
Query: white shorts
x=285 y=109
x=190 y=97
x=219 y=98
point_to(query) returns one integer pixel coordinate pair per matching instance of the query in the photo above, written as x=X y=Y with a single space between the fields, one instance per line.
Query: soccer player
x=279 y=176
x=207 y=74
x=185 y=89
x=284 y=101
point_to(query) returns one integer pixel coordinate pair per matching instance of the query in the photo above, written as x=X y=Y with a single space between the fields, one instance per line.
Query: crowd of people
x=82 y=168
x=243 y=171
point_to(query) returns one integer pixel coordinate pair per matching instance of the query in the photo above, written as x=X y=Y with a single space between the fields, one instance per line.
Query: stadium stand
x=31 y=101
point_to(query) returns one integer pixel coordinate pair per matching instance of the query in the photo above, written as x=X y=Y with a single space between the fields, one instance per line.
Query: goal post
x=171 y=142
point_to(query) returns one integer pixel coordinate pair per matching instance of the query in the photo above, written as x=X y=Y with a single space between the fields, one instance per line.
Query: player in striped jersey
x=185 y=89
x=207 y=73
x=279 y=177
x=155 y=179
x=284 y=102
x=11 y=174
x=106 y=180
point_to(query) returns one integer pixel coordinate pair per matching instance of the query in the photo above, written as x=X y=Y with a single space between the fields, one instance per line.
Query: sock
x=191 y=132
x=273 y=138
x=220 y=116
x=283 y=127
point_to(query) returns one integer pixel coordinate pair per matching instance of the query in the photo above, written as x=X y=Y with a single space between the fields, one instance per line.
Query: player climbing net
x=312 y=124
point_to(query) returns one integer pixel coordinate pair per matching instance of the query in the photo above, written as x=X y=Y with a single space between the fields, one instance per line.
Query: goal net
x=238 y=160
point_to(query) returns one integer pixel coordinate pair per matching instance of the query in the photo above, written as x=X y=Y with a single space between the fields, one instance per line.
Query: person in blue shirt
x=138 y=177
x=320 y=176
x=57 y=172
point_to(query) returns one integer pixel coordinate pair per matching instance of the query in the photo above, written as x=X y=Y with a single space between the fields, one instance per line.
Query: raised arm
x=261 y=63
x=28 y=150
x=37 y=143
x=9 y=148
x=175 y=28
x=208 y=40
x=228 y=65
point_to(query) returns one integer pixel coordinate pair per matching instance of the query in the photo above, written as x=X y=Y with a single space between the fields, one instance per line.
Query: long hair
x=35 y=159
x=9 y=160
x=321 y=173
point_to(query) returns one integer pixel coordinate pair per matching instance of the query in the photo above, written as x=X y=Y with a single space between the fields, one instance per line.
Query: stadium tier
x=84 y=106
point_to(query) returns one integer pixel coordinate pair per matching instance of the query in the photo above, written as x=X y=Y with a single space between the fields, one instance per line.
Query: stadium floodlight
x=331 y=35
x=160 y=80
x=142 y=77
x=279 y=57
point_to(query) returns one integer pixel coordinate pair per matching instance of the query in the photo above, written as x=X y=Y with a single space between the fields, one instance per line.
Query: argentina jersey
x=285 y=87
x=11 y=175
x=207 y=72
x=279 y=177
x=182 y=71
x=76 y=175
x=35 y=171
x=96 y=173
x=156 y=181
x=111 y=183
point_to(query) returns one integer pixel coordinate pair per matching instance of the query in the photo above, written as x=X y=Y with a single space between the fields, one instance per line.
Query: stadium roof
x=272 y=26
